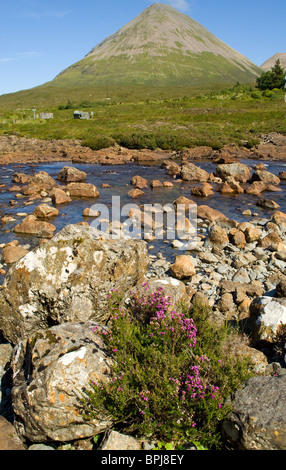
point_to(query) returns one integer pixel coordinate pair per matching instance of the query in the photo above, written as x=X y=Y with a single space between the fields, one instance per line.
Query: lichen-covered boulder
x=266 y=315
x=51 y=369
x=67 y=279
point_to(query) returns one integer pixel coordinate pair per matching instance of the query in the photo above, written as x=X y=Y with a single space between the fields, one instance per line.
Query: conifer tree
x=274 y=78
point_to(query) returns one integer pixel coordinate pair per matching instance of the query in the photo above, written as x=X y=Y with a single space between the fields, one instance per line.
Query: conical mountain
x=271 y=62
x=161 y=46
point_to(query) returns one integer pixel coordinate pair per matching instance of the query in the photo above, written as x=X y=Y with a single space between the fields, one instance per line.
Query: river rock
x=256 y=188
x=203 y=191
x=11 y=254
x=191 y=172
x=186 y=203
x=50 y=370
x=279 y=218
x=156 y=184
x=268 y=204
x=238 y=171
x=22 y=178
x=59 y=196
x=135 y=193
x=114 y=440
x=70 y=174
x=258 y=419
x=267 y=313
x=206 y=212
x=43 y=180
x=217 y=237
x=265 y=177
x=89 y=212
x=172 y=167
x=44 y=211
x=9 y=440
x=32 y=226
x=183 y=267
x=82 y=190
x=172 y=288
x=68 y=279
x=139 y=182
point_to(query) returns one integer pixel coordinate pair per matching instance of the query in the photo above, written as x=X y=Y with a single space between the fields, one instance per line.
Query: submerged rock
x=68 y=279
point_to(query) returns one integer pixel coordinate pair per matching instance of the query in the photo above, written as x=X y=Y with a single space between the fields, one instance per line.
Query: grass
x=146 y=117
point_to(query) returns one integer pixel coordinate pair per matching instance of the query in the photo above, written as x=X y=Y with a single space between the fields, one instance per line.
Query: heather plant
x=163 y=383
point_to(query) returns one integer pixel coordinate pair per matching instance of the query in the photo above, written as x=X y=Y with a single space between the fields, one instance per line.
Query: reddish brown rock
x=184 y=201
x=168 y=184
x=256 y=188
x=59 y=196
x=134 y=193
x=9 y=439
x=206 y=212
x=11 y=254
x=191 y=172
x=203 y=191
x=21 y=178
x=266 y=177
x=156 y=184
x=139 y=182
x=44 y=211
x=32 y=226
x=43 y=180
x=89 y=212
x=183 y=267
x=82 y=190
x=70 y=174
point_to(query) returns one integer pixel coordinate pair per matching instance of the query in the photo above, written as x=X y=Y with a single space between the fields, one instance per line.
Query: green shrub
x=170 y=376
x=98 y=142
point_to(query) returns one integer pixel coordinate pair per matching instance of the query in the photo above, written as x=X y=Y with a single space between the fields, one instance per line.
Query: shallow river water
x=118 y=177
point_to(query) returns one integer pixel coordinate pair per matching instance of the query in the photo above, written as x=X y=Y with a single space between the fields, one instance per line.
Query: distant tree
x=274 y=78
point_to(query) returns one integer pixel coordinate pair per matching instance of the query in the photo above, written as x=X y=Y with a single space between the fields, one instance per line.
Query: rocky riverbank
x=53 y=295
x=14 y=149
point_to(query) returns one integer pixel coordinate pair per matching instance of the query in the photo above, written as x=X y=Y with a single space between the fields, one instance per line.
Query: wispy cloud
x=19 y=55
x=48 y=14
x=182 y=5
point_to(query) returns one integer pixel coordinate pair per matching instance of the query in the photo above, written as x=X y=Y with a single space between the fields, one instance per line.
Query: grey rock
x=258 y=419
x=50 y=371
x=67 y=280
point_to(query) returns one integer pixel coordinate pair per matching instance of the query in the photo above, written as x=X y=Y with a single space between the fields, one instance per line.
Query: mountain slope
x=161 y=46
x=271 y=62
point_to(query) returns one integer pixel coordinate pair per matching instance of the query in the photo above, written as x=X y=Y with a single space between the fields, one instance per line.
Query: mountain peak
x=162 y=46
x=271 y=62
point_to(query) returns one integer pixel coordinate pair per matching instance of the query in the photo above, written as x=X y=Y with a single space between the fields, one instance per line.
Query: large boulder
x=172 y=288
x=191 y=172
x=32 y=226
x=265 y=177
x=267 y=313
x=68 y=279
x=258 y=418
x=82 y=190
x=71 y=174
x=238 y=171
x=43 y=180
x=50 y=371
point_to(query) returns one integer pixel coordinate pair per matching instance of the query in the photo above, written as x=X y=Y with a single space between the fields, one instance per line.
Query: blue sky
x=39 y=38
